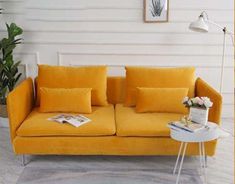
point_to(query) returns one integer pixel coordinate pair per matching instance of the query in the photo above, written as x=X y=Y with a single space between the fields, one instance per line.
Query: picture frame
x=156 y=11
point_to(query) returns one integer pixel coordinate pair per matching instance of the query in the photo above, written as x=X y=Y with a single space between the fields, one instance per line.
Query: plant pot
x=199 y=115
x=3 y=111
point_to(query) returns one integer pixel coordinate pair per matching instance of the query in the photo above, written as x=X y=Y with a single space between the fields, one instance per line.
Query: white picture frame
x=156 y=11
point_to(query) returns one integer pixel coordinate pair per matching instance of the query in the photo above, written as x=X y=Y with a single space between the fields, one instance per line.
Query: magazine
x=193 y=127
x=75 y=120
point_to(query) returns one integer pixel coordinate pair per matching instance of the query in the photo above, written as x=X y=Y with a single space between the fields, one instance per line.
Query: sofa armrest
x=20 y=102
x=204 y=89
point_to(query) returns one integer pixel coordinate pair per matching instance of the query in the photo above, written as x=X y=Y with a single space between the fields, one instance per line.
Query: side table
x=209 y=133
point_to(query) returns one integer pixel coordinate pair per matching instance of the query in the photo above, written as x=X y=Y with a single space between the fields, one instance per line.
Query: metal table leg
x=200 y=157
x=179 y=153
x=181 y=162
x=204 y=162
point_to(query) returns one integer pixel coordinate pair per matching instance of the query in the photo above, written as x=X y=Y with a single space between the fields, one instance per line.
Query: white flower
x=200 y=101
x=185 y=99
x=190 y=103
x=207 y=102
x=204 y=98
x=194 y=100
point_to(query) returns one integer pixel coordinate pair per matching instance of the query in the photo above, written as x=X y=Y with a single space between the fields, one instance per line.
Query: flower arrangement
x=200 y=102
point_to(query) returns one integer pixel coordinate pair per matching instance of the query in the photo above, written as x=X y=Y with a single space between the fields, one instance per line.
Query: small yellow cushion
x=94 y=77
x=65 y=100
x=158 y=78
x=161 y=100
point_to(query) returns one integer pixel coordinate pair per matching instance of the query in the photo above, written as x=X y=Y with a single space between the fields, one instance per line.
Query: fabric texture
x=130 y=123
x=204 y=89
x=65 y=100
x=116 y=89
x=158 y=78
x=161 y=100
x=37 y=124
x=105 y=145
x=19 y=104
x=94 y=77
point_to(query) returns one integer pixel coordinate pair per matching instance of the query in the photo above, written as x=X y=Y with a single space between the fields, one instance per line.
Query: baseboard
x=4 y=122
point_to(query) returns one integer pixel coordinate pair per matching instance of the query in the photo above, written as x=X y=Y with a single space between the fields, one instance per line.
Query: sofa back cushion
x=94 y=77
x=157 y=78
x=77 y=100
x=116 y=89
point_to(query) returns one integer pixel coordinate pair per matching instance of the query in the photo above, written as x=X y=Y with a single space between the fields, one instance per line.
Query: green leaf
x=9 y=73
x=14 y=30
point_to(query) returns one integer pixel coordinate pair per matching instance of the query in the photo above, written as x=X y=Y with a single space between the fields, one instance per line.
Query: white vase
x=199 y=115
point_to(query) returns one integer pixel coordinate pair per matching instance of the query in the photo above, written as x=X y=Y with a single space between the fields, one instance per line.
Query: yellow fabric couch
x=114 y=130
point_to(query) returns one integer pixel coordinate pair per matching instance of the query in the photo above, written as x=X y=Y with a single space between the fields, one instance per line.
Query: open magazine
x=75 y=120
x=193 y=127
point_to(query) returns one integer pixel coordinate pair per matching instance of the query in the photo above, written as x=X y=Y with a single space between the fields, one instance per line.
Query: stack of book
x=192 y=127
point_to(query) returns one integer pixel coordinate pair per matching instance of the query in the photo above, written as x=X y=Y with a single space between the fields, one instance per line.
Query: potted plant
x=9 y=74
x=199 y=108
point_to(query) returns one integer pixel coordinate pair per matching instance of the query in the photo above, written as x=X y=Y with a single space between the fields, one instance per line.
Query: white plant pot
x=199 y=115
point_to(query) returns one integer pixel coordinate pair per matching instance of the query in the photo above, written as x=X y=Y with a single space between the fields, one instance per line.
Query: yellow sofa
x=115 y=129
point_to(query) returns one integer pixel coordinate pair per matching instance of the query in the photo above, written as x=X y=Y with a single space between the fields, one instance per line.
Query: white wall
x=113 y=32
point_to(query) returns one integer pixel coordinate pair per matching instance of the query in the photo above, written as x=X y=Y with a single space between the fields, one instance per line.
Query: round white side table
x=209 y=133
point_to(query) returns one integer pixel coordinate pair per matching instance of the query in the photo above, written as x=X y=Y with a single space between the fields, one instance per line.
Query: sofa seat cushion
x=102 y=124
x=130 y=123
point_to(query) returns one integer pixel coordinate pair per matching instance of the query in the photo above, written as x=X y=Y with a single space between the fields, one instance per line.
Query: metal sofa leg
x=23 y=160
x=206 y=161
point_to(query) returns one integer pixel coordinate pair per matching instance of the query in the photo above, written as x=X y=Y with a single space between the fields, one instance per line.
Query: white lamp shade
x=199 y=25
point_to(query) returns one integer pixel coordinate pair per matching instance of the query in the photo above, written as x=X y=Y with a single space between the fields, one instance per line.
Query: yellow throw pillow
x=157 y=78
x=161 y=100
x=94 y=77
x=77 y=100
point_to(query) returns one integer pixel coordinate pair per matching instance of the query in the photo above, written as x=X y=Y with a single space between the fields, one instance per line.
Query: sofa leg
x=206 y=161
x=23 y=163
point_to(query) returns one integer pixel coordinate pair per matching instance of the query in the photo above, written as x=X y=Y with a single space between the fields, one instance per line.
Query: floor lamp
x=201 y=25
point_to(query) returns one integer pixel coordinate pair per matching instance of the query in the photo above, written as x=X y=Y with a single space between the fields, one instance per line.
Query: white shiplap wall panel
x=30 y=59
x=104 y=27
x=130 y=15
x=112 y=32
x=183 y=4
x=123 y=38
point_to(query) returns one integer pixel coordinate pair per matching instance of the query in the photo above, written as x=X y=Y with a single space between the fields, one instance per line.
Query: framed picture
x=156 y=10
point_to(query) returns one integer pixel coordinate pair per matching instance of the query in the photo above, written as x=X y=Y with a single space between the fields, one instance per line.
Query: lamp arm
x=224 y=29
x=215 y=24
x=206 y=18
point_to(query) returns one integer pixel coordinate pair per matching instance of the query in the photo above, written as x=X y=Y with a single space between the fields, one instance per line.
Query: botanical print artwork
x=156 y=10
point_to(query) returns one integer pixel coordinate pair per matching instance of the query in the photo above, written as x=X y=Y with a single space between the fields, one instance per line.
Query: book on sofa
x=75 y=120
x=178 y=125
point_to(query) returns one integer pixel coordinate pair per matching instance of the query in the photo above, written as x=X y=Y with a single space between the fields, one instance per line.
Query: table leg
x=181 y=162
x=179 y=153
x=204 y=161
x=200 y=157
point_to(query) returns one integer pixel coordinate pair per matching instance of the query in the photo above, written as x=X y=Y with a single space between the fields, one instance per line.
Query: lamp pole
x=222 y=66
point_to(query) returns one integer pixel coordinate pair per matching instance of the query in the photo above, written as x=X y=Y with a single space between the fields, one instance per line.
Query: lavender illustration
x=156 y=8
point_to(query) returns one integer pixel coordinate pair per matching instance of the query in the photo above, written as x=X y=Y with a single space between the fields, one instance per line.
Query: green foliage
x=9 y=74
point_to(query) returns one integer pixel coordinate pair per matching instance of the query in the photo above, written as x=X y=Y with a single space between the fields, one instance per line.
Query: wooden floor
x=220 y=167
